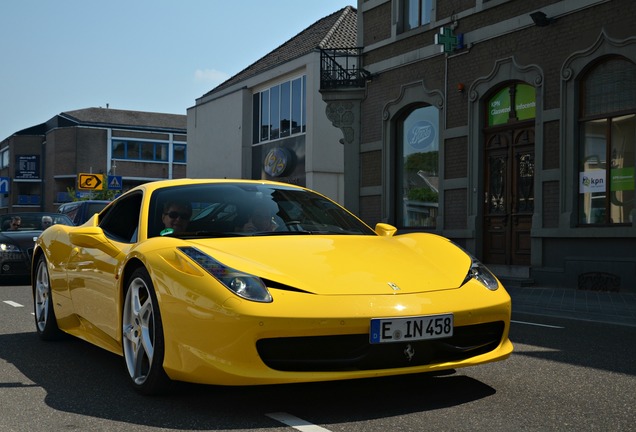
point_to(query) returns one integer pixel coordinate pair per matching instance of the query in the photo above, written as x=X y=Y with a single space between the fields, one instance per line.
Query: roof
x=338 y=30
x=136 y=119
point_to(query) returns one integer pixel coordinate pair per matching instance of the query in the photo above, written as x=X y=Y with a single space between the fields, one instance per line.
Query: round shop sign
x=277 y=161
x=421 y=135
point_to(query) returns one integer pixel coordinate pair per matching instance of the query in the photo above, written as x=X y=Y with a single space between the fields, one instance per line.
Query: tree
x=107 y=194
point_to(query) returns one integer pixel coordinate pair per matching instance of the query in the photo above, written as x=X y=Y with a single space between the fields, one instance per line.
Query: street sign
x=114 y=182
x=4 y=184
x=90 y=181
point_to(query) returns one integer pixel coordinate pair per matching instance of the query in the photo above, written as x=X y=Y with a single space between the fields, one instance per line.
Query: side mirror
x=385 y=230
x=92 y=237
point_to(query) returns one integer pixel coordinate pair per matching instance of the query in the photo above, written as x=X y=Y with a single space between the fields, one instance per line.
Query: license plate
x=386 y=330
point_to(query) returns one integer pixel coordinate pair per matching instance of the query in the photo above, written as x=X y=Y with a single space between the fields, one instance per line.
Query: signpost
x=90 y=181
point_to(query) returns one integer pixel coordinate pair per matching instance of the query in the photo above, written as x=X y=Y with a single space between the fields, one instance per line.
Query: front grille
x=354 y=352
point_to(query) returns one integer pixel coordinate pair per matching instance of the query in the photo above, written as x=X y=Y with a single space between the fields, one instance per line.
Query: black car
x=18 y=232
x=81 y=211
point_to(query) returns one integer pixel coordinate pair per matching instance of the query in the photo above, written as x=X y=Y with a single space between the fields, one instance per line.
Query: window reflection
x=280 y=111
x=608 y=145
x=419 y=173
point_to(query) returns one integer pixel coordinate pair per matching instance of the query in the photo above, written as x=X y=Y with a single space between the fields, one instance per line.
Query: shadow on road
x=596 y=345
x=80 y=378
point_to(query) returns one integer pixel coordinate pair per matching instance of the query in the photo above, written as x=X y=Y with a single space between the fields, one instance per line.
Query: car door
x=91 y=270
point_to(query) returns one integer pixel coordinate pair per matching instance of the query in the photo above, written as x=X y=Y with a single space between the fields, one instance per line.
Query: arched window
x=417 y=168
x=607 y=143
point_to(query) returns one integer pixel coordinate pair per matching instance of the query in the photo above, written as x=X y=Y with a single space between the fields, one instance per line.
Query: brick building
x=508 y=126
x=39 y=164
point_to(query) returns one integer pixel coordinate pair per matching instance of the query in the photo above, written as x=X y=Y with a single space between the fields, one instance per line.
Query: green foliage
x=423 y=195
x=107 y=194
x=427 y=162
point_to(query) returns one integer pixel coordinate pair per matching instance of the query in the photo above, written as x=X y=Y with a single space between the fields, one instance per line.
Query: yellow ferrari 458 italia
x=239 y=282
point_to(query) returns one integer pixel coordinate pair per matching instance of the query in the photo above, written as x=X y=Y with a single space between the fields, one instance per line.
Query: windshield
x=31 y=221
x=241 y=209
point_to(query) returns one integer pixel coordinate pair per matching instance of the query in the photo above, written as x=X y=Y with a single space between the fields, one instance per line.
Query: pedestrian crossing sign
x=114 y=182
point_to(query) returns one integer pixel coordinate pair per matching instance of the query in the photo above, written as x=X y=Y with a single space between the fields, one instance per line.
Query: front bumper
x=303 y=338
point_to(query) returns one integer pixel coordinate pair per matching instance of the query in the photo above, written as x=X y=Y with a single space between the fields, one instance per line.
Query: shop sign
x=277 y=162
x=592 y=181
x=5 y=182
x=525 y=105
x=27 y=167
x=622 y=179
x=525 y=102
x=421 y=136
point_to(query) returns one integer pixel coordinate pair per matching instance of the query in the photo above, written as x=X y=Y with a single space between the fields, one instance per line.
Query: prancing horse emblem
x=409 y=352
x=393 y=286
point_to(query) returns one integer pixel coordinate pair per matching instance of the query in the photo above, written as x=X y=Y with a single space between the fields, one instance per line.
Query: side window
x=121 y=220
x=70 y=210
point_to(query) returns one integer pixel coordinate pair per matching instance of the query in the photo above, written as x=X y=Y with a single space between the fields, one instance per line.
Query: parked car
x=81 y=211
x=238 y=282
x=18 y=232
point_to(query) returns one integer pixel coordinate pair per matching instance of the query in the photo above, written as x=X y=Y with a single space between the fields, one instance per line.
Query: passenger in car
x=261 y=218
x=16 y=223
x=47 y=221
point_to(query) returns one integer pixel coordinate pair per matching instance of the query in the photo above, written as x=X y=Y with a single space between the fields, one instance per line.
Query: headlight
x=8 y=247
x=244 y=285
x=480 y=273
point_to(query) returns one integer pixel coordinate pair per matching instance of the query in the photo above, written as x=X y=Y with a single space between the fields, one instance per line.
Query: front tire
x=45 y=322
x=142 y=335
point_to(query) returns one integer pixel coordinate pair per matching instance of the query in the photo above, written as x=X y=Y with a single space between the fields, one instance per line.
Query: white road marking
x=12 y=303
x=537 y=324
x=296 y=423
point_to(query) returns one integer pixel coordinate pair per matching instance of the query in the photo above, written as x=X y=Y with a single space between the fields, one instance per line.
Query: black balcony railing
x=340 y=68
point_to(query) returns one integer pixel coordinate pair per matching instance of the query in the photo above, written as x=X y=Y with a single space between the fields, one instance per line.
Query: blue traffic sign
x=114 y=182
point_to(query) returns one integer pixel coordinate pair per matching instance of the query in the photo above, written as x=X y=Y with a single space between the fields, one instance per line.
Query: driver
x=176 y=215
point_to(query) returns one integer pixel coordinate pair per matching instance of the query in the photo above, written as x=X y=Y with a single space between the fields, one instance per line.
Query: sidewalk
x=608 y=307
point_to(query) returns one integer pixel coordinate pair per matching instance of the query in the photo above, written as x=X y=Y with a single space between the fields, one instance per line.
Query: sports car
x=18 y=232
x=242 y=282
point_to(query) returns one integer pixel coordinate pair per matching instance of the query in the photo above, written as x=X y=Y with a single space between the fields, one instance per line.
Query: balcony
x=340 y=68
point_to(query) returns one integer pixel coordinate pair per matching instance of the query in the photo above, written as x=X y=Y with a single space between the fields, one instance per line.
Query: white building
x=269 y=121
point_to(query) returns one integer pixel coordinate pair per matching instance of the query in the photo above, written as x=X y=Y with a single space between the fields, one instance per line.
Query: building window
x=280 y=111
x=416 y=13
x=4 y=158
x=147 y=150
x=418 y=168
x=179 y=153
x=607 y=144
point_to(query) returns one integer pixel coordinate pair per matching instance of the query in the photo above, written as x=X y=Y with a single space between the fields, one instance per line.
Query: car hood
x=346 y=264
x=24 y=239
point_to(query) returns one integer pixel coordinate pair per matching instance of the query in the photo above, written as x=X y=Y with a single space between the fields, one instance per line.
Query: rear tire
x=45 y=322
x=142 y=335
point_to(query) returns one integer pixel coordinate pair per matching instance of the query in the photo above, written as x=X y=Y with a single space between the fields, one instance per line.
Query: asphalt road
x=564 y=375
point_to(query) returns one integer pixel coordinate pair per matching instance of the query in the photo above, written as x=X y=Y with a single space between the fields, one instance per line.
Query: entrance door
x=509 y=200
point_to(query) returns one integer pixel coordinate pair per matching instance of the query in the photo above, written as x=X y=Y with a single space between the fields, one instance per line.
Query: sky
x=140 y=55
